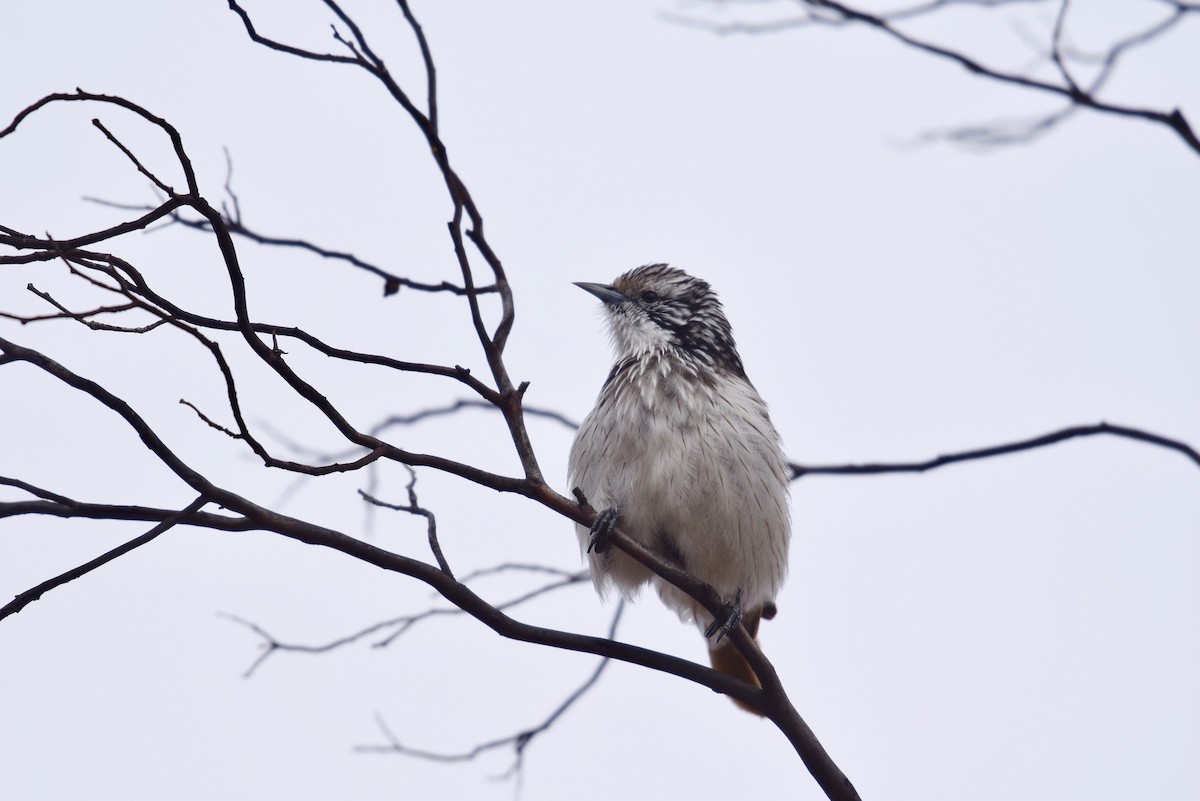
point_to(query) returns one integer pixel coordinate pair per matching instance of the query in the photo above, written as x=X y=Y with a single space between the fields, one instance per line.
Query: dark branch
x=799 y=471
x=1173 y=120
x=169 y=191
x=283 y=48
x=415 y=508
x=209 y=421
x=34 y=593
x=134 y=283
x=176 y=140
x=459 y=405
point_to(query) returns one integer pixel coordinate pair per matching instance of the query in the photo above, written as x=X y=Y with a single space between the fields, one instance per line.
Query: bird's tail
x=728 y=659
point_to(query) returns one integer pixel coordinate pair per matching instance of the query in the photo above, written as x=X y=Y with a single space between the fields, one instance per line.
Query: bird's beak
x=603 y=291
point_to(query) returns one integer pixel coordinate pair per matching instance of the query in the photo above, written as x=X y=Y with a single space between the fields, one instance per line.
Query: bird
x=680 y=454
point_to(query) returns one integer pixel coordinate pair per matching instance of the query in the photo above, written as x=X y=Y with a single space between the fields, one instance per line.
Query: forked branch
x=1054 y=51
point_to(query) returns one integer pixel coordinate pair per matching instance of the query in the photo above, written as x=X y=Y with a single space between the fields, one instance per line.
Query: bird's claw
x=729 y=620
x=602 y=528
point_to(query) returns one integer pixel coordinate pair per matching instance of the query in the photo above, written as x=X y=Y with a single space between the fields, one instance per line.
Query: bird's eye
x=649 y=296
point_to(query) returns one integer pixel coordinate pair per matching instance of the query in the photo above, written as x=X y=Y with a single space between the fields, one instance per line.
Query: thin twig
x=1173 y=120
x=83 y=317
x=211 y=423
x=169 y=191
x=415 y=508
x=399 y=625
x=518 y=741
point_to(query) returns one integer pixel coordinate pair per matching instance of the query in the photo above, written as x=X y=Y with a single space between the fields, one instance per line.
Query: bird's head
x=660 y=309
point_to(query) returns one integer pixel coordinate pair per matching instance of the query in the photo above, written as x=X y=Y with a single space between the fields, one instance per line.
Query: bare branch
x=567 y=579
x=49 y=249
x=507 y=567
x=1056 y=48
x=176 y=140
x=84 y=317
x=54 y=505
x=833 y=12
x=34 y=593
x=400 y=625
x=427 y=57
x=459 y=405
x=135 y=283
x=799 y=471
x=415 y=508
x=77 y=510
x=169 y=191
x=1173 y=119
x=455 y=592
x=211 y=424
x=518 y=741
x=470 y=244
x=274 y=45
x=464 y=211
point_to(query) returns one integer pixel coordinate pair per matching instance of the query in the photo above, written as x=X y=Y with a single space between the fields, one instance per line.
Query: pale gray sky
x=1019 y=628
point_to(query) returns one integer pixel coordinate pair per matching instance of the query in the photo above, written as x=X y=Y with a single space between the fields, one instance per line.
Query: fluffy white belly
x=695 y=474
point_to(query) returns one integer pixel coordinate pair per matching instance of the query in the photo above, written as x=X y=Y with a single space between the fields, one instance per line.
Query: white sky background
x=1024 y=627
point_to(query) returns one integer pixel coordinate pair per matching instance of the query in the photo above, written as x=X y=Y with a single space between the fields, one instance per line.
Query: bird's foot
x=602 y=528
x=729 y=619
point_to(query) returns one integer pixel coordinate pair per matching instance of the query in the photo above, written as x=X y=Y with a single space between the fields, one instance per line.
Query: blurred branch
x=283 y=48
x=185 y=163
x=167 y=190
x=84 y=317
x=401 y=625
x=518 y=741
x=771 y=699
x=466 y=223
x=873 y=468
x=419 y=416
x=1076 y=94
